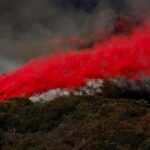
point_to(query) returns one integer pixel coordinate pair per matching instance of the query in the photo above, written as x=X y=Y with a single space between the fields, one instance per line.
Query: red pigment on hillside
x=127 y=56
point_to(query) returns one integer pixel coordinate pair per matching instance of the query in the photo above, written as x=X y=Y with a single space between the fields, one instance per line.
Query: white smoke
x=92 y=87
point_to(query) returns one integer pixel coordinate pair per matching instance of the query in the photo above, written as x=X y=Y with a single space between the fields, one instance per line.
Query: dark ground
x=104 y=122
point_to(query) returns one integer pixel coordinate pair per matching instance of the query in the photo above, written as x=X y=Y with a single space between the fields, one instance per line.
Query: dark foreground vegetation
x=105 y=122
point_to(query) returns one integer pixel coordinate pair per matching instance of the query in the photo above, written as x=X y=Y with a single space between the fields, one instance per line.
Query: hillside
x=99 y=122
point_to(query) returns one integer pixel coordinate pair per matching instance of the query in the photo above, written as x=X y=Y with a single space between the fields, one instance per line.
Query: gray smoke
x=7 y=64
x=138 y=7
x=27 y=27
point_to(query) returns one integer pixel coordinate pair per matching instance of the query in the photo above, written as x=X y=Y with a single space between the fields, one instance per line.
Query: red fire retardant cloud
x=122 y=55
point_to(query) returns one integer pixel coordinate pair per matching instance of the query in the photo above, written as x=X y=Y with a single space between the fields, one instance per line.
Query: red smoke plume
x=122 y=55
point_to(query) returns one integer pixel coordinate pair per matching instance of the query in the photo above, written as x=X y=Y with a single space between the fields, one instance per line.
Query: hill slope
x=75 y=122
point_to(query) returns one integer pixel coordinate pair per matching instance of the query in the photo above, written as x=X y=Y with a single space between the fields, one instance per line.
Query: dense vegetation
x=105 y=122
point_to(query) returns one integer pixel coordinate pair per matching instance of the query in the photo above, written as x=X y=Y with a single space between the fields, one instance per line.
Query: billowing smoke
x=120 y=56
x=86 y=28
x=139 y=7
x=26 y=27
x=29 y=28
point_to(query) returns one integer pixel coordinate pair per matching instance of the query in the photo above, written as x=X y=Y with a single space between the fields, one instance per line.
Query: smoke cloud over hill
x=120 y=56
x=28 y=26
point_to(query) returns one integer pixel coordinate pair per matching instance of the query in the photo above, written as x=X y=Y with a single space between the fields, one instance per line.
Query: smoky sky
x=27 y=26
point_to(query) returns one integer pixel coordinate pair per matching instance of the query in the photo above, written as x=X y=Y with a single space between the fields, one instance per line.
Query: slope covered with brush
x=76 y=122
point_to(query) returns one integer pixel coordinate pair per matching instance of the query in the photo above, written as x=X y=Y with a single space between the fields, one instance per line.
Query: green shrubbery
x=75 y=122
